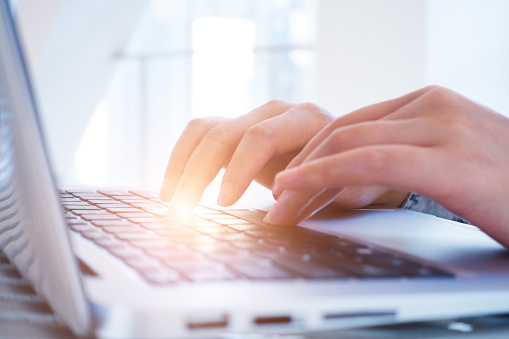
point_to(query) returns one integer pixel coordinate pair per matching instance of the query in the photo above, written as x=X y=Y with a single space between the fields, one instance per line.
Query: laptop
x=111 y=264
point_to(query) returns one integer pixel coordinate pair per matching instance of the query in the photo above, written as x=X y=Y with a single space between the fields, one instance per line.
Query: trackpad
x=438 y=240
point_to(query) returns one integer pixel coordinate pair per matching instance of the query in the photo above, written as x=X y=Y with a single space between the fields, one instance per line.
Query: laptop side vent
x=368 y=314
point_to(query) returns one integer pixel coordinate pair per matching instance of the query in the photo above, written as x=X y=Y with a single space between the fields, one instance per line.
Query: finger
x=213 y=151
x=183 y=149
x=380 y=132
x=272 y=137
x=400 y=167
x=207 y=159
x=293 y=207
x=372 y=133
x=369 y=113
x=359 y=196
x=317 y=203
x=293 y=203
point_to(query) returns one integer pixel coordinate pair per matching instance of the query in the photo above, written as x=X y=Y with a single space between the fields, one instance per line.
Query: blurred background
x=118 y=80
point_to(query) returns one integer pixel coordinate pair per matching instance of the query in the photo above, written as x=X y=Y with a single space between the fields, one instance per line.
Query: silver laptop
x=111 y=264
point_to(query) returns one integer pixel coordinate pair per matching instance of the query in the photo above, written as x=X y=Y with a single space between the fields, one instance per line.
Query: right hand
x=255 y=146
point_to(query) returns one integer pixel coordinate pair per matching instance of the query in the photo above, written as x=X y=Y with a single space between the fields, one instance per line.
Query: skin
x=433 y=141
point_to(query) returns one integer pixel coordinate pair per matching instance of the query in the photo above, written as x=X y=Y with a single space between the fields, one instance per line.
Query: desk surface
x=23 y=314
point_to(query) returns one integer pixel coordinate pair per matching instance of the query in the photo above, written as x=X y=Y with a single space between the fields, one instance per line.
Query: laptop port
x=285 y=319
x=204 y=322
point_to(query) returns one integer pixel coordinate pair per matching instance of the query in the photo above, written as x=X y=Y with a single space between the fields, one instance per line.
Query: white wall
x=368 y=51
x=467 y=49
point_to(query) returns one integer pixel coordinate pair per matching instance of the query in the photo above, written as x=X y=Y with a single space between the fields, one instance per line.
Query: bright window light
x=91 y=155
x=223 y=66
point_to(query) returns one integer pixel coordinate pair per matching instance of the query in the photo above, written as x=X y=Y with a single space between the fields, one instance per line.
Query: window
x=194 y=58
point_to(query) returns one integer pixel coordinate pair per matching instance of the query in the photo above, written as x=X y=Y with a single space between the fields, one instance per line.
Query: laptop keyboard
x=218 y=243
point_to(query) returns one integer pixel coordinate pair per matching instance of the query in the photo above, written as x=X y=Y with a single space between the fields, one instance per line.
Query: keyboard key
x=143 y=220
x=108 y=204
x=122 y=229
x=94 y=235
x=156 y=210
x=117 y=210
x=81 y=207
x=249 y=227
x=102 y=201
x=109 y=243
x=143 y=265
x=114 y=193
x=231 y=221
x=121 y=222
x=158 y=225
x=307 y=268
x=125 y=252
x=70 y=200
x=207 y=213
x=128 y=236
x=139 y=214
x=74 y=221
x=151 y=243
x=145 y=194
x=175 y=232
x=162 y=277
x=92 y=217
x=134 y=200
x=93 y=197
x=253 y=270
x=81 y=228
x=206 y=223
x=210 y=274
x=223 y=254
x=232 y=236
x=95 y=211
x=170 y=255
x=215 y=230
x=248 y=243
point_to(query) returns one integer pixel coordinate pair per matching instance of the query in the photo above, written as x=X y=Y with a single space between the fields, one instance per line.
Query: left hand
x=434 y=142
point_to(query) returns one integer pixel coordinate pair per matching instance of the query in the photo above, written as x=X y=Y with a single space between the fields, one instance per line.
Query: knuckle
x=197 y=124
x=316 y=111
x=309 y=106
x=431 y=88
x=260 y=134
x=441 y=96
x=217 y=134
x=260 y=138
x=275 y=103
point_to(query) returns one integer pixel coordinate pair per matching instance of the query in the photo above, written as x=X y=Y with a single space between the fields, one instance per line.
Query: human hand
x=433 y=141
x=254 y=146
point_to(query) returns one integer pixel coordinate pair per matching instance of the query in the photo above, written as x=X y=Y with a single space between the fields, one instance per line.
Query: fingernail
x=287 y=177
x=276 y=190
x=274 y=215
x=225 y=194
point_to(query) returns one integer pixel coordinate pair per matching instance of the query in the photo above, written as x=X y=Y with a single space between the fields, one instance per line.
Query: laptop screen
x=32 y=229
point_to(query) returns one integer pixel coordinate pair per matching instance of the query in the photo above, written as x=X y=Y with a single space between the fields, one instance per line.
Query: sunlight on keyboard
x=212 y=243
x=180 y=213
